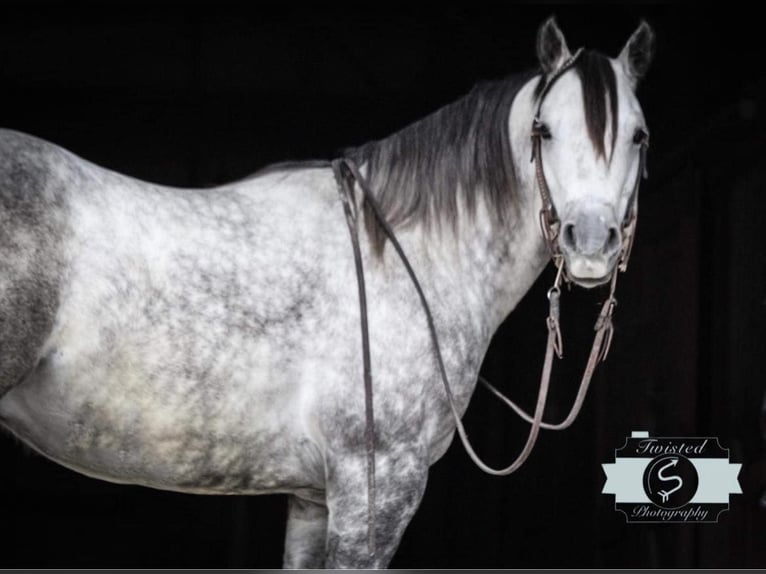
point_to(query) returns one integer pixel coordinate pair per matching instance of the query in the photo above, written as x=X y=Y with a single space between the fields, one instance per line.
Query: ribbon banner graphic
x=671 y=479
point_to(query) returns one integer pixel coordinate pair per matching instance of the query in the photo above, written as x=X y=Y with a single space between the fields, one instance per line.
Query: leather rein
x=347 y=175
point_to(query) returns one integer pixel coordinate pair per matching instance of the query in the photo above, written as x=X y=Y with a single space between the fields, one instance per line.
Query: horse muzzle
x=590 y=241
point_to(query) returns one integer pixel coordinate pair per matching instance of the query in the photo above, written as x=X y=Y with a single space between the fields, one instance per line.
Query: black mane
x=598 y=84
x=423 y=172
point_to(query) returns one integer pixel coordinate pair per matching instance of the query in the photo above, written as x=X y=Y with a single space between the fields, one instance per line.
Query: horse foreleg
x=306 y=534
x=400 y=483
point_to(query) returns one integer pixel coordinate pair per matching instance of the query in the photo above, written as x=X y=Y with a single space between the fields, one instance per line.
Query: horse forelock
x=599 y=84
x=599 y=91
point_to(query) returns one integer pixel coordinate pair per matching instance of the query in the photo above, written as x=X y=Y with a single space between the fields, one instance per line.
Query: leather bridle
x=348 y=175
x=549 y=221
x=550 y=226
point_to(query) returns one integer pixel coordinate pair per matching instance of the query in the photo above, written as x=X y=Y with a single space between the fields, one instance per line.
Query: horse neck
x=500 y=262
x=496 y=264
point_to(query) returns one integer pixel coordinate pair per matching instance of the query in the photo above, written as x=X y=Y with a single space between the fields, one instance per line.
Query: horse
x=207 y=340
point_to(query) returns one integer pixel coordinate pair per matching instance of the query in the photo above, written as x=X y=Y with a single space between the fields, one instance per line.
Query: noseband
x=348 y=175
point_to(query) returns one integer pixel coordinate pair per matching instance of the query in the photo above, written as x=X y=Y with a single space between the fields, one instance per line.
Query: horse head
x=589 y=140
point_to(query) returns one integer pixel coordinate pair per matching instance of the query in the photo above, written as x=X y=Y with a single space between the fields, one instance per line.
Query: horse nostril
x=612 y=241
x=568 y=237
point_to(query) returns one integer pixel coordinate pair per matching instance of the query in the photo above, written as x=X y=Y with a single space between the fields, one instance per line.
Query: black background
x=200 y=93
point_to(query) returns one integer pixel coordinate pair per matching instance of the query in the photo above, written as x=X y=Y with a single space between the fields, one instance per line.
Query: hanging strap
x=341 y=171
x=602 y=341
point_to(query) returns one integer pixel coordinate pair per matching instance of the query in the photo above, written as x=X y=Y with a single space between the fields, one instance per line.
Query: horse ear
x=638 y=51
x=552 y=48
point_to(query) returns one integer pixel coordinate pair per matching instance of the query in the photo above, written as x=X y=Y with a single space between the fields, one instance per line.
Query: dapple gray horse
x=207 y=340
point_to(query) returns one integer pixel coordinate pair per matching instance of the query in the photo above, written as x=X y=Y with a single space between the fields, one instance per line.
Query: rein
x=347 y=175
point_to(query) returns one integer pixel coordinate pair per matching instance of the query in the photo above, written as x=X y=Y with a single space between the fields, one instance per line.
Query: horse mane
x=426 y=172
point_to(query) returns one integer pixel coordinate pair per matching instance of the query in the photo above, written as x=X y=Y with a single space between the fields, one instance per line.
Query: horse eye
x=640 y=136
x=545 y=131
